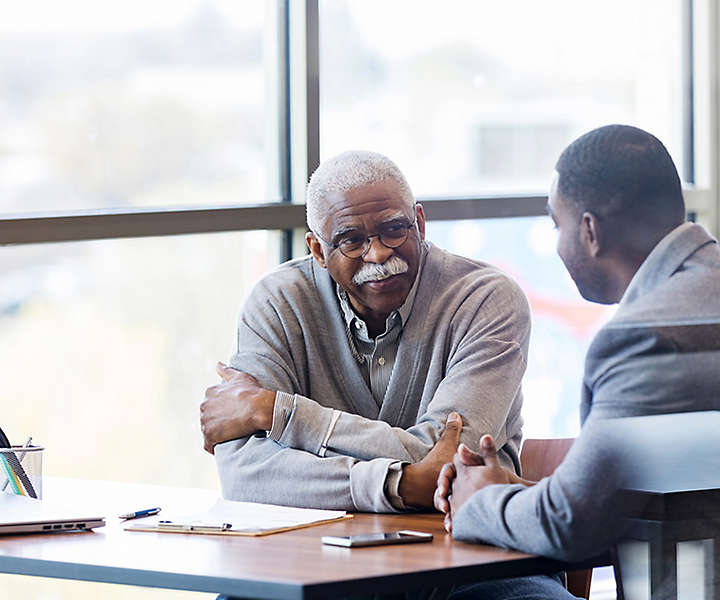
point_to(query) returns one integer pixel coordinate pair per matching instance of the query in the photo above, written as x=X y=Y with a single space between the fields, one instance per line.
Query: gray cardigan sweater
x=463 y=347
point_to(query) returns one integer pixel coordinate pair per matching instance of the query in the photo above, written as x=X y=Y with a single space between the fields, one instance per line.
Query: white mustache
x=394 y=265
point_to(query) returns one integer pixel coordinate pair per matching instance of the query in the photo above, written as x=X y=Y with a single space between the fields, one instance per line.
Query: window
x=122 y=121
x=473 y=98
x=122 y=105
x=107 y=348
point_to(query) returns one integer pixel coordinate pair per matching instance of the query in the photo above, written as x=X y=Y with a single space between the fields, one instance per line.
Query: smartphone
x=404 y=536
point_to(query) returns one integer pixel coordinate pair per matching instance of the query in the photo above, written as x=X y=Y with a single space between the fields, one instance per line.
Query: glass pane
x=473 y=97
x=106 y=349
x=124 y=104
x=563 y=323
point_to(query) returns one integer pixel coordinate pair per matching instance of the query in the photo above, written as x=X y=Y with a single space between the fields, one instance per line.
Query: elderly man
x=359 y=368
x=618 y=208
x=364 y=364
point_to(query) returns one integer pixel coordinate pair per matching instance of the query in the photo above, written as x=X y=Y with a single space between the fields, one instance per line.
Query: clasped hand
x=466 y=474
x=235 y=408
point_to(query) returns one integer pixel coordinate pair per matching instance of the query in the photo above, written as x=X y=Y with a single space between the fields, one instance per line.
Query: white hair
x=345 y=172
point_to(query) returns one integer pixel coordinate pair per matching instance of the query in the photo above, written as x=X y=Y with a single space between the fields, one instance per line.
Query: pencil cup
x=21 y=470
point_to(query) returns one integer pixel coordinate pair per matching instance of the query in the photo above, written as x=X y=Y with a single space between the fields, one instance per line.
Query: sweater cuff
x=465 y=524
x=367 y=485
x=484 y=516
x=284 y=406
x=392 y=485
x=308 y=426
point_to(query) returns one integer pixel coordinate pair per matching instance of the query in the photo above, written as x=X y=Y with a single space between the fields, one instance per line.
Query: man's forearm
x=264 y=409
x=259 y=470
x=236 y=408
x=417 y=486
x=417 y=482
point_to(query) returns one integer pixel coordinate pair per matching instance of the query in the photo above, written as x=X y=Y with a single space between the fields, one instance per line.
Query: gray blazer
x=660 y=353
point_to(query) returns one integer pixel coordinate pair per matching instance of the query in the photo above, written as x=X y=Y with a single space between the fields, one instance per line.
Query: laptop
x=20 y=514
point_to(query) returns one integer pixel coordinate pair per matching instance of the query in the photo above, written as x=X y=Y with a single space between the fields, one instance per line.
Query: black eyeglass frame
x=366 y=244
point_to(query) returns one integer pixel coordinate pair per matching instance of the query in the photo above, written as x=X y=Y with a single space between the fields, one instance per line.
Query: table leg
x=712 y=569
x=663 y=569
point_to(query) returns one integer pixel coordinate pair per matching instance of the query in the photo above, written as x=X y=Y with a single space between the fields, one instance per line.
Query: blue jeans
x=537 y=587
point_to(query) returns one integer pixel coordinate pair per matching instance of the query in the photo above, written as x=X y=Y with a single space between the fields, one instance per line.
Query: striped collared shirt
x=379 y=354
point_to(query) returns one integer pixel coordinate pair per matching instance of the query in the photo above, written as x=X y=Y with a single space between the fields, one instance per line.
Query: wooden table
x=291 y=565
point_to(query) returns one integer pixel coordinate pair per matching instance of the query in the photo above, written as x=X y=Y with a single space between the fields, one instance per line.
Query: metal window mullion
x=498 y=207
x=688 y=92
x=97 y=225
x=304 y=100
x=312 y=86
x=145 y=223
x=283 y=106
x=283 y=100
x=714 y=125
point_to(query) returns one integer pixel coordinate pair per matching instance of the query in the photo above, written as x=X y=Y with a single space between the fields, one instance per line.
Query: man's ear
x=591 y=234
x=316 y=249
x=420 y=221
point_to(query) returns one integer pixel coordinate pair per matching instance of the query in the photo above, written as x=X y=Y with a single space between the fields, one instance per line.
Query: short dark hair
x=622 y=173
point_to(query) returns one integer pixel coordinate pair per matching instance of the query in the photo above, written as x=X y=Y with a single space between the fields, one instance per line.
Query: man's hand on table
x=417 y=482
x=466 y=474
x=235 y=408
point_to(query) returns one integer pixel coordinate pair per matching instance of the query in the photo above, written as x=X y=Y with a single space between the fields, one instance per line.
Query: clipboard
x=247 y=519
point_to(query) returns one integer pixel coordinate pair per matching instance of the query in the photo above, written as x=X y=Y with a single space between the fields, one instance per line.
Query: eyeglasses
x=356 y=243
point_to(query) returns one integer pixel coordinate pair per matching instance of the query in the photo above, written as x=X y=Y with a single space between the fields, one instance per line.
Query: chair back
x=538 y=459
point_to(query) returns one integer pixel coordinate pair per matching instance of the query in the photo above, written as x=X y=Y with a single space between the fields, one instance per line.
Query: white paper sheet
x=244 y=517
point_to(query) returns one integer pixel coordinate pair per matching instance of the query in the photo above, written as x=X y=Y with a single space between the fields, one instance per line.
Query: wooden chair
x=539 y=458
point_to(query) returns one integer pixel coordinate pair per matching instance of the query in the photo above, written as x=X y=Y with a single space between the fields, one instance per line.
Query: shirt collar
x=404 y=311
x=657 y=265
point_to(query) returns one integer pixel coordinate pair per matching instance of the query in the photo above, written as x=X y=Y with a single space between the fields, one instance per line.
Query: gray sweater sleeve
x=260 y=470
x=483 y=375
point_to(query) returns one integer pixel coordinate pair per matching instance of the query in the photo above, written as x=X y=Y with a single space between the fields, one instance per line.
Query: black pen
x=141 y=513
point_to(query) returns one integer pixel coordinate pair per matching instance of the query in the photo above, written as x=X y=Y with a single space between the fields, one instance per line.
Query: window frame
x=296 y=86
